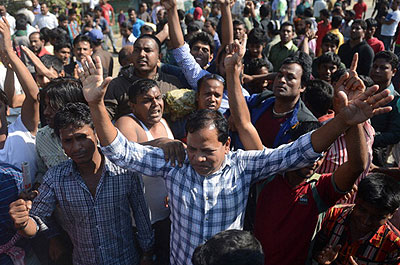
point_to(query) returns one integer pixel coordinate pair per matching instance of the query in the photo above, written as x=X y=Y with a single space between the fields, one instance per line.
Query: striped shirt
x=203 y=206
x=381 y=247
x=337 y=155
x=100 y=228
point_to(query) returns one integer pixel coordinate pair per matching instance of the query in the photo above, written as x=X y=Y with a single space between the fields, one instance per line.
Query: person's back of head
x=336 y=22
x=257 y=63
x=318 y=97
x=308 y=12
x=45 y=33
x=146 y=29
x=265 y=11
x=324 y=13
x=380 y=191
x=192 y=28
x=125 y=55
x=230 y=247
x=20 y=22
x=274 y=27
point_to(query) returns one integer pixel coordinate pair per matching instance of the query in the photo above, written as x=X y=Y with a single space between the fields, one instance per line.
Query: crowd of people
x=236 y=132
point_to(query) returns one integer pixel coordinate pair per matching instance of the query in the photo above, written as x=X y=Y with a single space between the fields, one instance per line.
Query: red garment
x=107 y=9
x=322 y=30
x=43 y=51
x=327 y=117
x=268 y=127
x=376 y=45
x=286 y=218
x=359 y=9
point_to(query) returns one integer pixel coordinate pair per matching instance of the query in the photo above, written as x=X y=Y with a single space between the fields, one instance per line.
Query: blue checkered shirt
x=100 y=228
x=203 y=206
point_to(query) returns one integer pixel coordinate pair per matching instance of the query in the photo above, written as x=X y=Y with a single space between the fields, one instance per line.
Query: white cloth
x=11 y=22
x=19 y=147
x=29 y=14
x=154 y=189
x=14 y=112
x=130 y=41
x=49 y=21
x=318 y=6
x=390 y=30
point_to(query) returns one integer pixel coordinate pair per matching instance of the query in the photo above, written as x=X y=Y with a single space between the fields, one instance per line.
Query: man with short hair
x=361 y=233
x=330 y=43
x=82 y=46
x=280 y=51
x=376 y=44
x=389 y=25
x=96 y=36
x=94 y=195
x=146 y=55
x=45 y=19
x=135 y=21
x=357 y=44
x=10 y=19
x=324 y=26
x=143 y=14
x=63 y=52
x=210 y=26
x=126 y=29
x=37 y=44
x=325 y=66
x=208 y=193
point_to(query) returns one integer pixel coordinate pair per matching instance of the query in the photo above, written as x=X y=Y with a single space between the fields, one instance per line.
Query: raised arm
x=39 y=66
x=30 y=106
x=175 y=31
x=237 y=104
x=14 y=100
x=226 y=22
x=356 y=106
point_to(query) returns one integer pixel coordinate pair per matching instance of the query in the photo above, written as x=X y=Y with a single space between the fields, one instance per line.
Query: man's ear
x=211 y=57
x=227 y=145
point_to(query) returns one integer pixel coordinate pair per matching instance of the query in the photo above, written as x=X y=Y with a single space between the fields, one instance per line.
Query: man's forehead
x=145 y=42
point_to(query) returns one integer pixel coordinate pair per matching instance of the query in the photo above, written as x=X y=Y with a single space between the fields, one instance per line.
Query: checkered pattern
x=101 y=227
x=203 y=206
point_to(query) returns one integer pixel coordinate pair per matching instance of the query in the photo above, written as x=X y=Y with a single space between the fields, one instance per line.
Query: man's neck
x=293 y=179
x=148 y=75
x=281 y=105
x=354 y=43
x=93 y=167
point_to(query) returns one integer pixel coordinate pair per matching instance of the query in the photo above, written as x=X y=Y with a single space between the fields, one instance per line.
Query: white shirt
x=11 y=21
x=318 y=6
x=130 y=41
x=14 y=112
x=19 y=147
x=390 y=30
x=49 y=21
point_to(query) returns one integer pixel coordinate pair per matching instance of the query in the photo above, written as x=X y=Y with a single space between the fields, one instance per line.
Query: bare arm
x=14 y=100
x=175 y=31
x=127 y=127
x=163 y=34
x=237 y=104
x=39 y=66
x=226 y=22
x=30 y=106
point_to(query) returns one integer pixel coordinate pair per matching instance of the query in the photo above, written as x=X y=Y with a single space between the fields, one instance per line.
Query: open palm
x=94 y=87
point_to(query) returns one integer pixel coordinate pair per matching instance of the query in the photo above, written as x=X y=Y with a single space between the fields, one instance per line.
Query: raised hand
x=94 y=87
x=364 y=106
x=168 y=4
x=19 y=212
x=5 y=41
x=328 y=254
x=234 y=53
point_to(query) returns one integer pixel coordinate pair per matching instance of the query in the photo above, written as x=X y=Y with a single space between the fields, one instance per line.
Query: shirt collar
x=288 y=45
x=391 y=89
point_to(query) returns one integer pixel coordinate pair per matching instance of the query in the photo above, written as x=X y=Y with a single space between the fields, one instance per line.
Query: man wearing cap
x=96 y=36
x=26 y=10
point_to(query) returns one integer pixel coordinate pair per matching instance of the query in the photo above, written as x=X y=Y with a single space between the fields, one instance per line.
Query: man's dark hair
x=305 y=61
x=59 y=36
x=230 y=247
x=63 y=17
x=181 y=14
x=329 y=57
x=152 y=37
x=197 y=3
x=361 y=22
x=51 y=61
x=265 y=10
x=20 y=22
x=257 y=63
x=213 y=22
x=188 y=19
x=380 y=191
x=336 y=22
x=62 y=45
x=89 y=13
x=331 y=38
x=389 y=57
x=61 y=91
x=303 y=128
x=257 y=36
x=45 y=34
x=318 y=97
x=308 y=12
x=126 y=24
x=75 y=114
x=140 y=87
x=207 y=77
x=202 y=37
x=193 y=27
x=99 y=9
x=325 y=13
x=287 y=24
x=131 y=9
x=146 y=28
x=204 y=118
x=371 y=23
x=238 y=22
x=71 y=12
x=350 y=13
x=82 y=38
